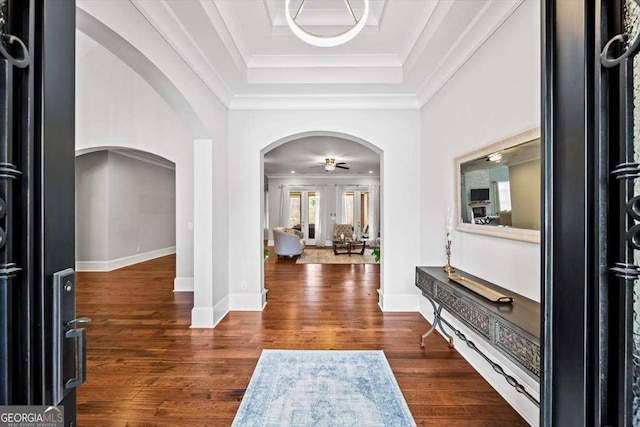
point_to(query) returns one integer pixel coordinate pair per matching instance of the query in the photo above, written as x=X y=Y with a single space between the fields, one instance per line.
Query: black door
x=591 y=244
x=41 y=342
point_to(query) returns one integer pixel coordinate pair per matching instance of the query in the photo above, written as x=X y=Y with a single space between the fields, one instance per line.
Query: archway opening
x=125 y=208
x=326 y=188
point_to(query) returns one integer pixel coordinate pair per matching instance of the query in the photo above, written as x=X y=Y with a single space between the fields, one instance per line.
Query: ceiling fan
x=330 y=165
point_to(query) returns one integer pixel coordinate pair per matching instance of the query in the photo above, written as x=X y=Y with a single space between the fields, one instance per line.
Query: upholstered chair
x=345 y=229
x=287 y=242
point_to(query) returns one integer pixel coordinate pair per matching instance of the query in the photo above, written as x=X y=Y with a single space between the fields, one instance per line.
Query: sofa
x=288 y=242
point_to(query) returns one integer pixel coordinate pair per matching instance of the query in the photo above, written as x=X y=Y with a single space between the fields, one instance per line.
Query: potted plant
x=376 y=253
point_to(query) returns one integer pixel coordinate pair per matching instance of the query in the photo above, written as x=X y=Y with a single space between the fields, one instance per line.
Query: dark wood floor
x=146 y=367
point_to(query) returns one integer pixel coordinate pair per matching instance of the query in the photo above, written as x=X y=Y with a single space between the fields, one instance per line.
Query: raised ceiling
x=247 y=56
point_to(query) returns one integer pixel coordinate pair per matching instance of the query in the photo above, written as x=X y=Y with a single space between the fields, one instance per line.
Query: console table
x=513 y=329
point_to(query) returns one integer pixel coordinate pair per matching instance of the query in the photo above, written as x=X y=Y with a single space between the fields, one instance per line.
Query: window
x=348 y=207
x=295 y=208
x=364 y=211
x=504 y=196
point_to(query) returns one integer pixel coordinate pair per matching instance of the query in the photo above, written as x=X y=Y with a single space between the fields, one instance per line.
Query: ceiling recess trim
x=217 y=85
x=213 y=13
x=325 y=102
x=473 y=38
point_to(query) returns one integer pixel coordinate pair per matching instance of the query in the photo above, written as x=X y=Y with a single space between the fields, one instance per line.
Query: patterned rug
x=323 y=388
x=326 y=256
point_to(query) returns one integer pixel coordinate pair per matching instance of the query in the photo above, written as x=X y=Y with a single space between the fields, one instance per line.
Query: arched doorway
x=125 y=208
x=301 y=192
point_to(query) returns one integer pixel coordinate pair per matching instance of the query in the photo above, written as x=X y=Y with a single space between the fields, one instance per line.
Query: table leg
x=436 y=323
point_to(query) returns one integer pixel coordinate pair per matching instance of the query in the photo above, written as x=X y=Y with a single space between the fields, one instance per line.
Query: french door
x=357 y=211
x=41 y=345
x=302 y=213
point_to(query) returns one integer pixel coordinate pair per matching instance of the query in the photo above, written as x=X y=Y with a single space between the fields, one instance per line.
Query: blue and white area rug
x=323 y=388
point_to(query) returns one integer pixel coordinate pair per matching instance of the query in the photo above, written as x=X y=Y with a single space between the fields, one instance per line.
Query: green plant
x=266 y=253
x=376 y=253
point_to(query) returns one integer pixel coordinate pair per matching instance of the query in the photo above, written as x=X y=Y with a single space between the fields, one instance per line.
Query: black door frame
x=588 y=216
x=37 y=181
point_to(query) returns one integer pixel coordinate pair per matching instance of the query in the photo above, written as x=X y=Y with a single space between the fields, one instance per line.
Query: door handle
x=78 y=320
x=81 y=335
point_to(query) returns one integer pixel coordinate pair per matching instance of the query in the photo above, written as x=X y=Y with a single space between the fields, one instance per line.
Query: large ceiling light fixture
x=326 y=41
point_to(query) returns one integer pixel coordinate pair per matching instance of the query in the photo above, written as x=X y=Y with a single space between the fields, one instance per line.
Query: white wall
x=395 y=133
x=125 y=210
x=142 y=207
x=495 y=94
x=492 y=96
x=328 y=205
x=115 y=107
x=92 y=194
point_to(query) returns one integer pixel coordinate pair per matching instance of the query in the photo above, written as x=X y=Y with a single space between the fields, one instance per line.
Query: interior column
x=202 y=314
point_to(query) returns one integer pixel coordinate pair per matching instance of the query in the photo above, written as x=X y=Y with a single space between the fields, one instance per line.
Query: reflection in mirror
x=503 y=188
x=499 y=188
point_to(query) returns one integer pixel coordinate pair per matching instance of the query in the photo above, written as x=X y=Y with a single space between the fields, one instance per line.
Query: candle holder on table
x=448 y=268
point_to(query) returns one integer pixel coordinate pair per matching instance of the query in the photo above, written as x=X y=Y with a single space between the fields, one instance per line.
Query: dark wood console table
x=513 y=329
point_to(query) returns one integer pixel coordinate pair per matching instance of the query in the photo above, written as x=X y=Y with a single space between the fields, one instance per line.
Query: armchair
x=287 y=242
x=345 y=229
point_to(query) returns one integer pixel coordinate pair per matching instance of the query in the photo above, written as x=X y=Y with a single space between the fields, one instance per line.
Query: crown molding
x=320 y=76
x=481 y=28
x=422 y=34
x=325 y=102
x=142 y=157
x=213 y=13
x=213 y=81
x=324 y=61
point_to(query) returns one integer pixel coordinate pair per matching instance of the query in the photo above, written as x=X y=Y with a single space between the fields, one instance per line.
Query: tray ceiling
x=246 y=54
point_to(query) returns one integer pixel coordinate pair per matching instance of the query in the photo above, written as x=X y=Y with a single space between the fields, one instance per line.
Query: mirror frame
x=521 y=234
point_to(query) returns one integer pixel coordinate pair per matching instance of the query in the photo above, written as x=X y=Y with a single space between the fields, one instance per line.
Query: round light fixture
x=326 y=41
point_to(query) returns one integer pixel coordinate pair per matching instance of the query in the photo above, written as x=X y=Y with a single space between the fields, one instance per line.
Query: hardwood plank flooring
x=146 y=367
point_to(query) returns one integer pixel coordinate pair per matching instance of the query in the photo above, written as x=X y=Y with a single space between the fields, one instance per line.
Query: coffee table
x=346 y=247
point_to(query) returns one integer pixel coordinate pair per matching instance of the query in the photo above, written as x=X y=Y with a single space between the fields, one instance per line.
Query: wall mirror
x=498 y=188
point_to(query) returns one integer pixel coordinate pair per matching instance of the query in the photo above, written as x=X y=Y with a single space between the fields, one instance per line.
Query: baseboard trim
x=220 y=310
x=123 y=262
x=209 y=317
x=246 y=302
x=522 y=405
x=398 y=302
x=202 y=317
x=183 y=284
x=92 y=266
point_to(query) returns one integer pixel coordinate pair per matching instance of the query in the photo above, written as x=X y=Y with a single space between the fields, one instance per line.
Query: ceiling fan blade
x=342 y=167
x=341 y=163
